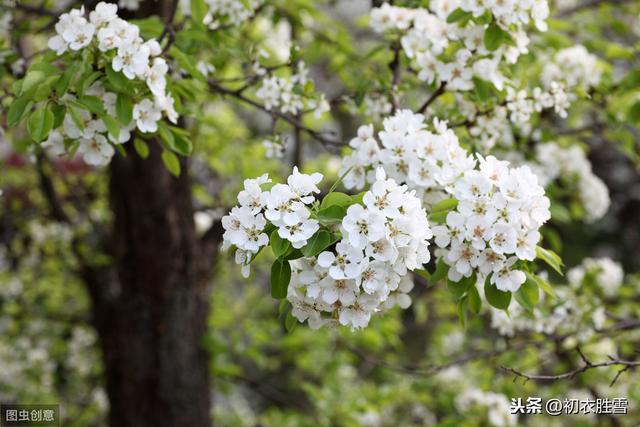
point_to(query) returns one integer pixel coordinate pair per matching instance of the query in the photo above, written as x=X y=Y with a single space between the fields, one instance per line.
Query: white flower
x=507 y=279
x=103 y=14
x=362 y=226
x=346 y=263
x=298 y=230
x=244 y=230
x=96 y=150
x=132 y=60
x=146 y=116
x=304 y=185
x=156 y=76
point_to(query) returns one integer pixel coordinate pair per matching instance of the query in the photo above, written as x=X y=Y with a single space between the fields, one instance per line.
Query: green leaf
x=87 y=80
x=19 y=107
x=463 y=311
x=440 y=272
x=280 y=277
x=528 y=295
x=542 y=283
x=482 y=89
x=75 y=116
x=331 y=215
x=290 y=322
x=62 y=85
x=118 y=80
x=141 y=148
x=93 y=104
x=458 y=15
x=31 y=81
x=336 y=199
x=438 y=217
x=497 y=298
x=458 y=289
x=494 y=36
x=112 y=125
x=40 y=124
x=633 y=115
x=317 y=243
x=59 y=111
x=551 y=258
x=171 y=162
x=124 y=109
x=184 y=145
x=279 y=246
x=198 y=10
x=475 y=303
x=166 y=137
x=445 y=205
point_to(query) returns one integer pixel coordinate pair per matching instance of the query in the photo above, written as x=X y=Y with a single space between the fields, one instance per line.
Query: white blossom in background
x=280 y=93
x=223 y=11
x=129 y=4
x=574 y=66
x=607 y=274
x=275 y=147
x=498 y=406
x=134 y=57
x=382 y=240
x=5 y=25
x=570 y=163
x=426 y=36
x=575 y=312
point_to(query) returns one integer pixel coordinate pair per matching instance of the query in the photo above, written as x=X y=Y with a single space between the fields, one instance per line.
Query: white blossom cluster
x=275 y=146
x=280 y=93
x=554 y=161
x=574 y=66
x=286 y=206
x=499 y=211
x=93 y=138
x=233 y=11
x=427 y=37
x=496 y=222
x=134 y=57
x=578 y=316
x=521 y=104
x=497 y=404
x=382 y=240
x=607 y=274
x=409 y=153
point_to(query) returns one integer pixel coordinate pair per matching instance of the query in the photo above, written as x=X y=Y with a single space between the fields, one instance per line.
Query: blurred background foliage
x=412 y=367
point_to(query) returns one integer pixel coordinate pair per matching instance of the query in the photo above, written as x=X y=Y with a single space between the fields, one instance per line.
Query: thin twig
x=441 y=89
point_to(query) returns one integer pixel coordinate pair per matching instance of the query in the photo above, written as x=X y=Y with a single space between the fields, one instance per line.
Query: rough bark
x=151 y=308
x=150 y=305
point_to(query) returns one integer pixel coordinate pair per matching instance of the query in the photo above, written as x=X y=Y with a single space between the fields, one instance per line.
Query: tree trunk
x=151 y=309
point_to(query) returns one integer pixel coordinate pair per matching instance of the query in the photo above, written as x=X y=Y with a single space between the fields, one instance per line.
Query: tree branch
x=238 y=94
x=441 y=89
x=587 y=365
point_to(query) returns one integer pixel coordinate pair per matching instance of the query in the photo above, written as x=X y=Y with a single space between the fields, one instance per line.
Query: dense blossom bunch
x=554 y=161
x=495 y=223
x=287 y=93
x=427 y=36
x=135 y=58
x=409 y=153
x=499 y=209
x=382 y=238
x=285 y=206
x=574 y=66
x=233 y=11
x=497 y=404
